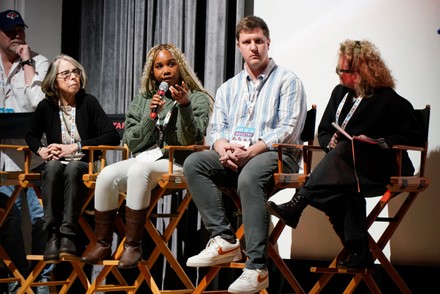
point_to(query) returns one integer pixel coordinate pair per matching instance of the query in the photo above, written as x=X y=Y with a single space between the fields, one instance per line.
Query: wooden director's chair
x=409 y=187
x=28 y=178
x=14 y=127
x=282 y=181
x=171 y=182
x=10 y=178
x=89 y=179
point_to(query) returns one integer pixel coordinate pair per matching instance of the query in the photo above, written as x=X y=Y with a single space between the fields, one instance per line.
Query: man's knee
x=194 y=160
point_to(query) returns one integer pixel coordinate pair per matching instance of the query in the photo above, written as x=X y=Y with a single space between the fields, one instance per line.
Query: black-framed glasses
x=66 y=74
x=339 y=70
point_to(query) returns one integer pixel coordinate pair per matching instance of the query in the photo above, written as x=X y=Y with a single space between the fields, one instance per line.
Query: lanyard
x=161 y=124
x=251 y=96
x=252 y=90
x=350 y=113
x=64 y=127
x=344 y=124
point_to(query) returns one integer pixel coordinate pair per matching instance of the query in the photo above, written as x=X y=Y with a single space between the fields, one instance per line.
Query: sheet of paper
x=342 y=131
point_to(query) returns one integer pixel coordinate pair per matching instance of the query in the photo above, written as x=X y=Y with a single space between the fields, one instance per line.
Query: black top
x=93 y=124
x=383 y=115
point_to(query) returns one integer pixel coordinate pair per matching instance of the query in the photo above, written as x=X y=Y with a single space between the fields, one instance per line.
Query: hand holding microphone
x=163 y=88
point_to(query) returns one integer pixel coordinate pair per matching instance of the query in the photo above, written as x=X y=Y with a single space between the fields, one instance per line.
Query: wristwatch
x=30 y=62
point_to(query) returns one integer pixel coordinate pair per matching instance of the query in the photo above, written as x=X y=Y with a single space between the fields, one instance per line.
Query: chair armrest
x=26 y=152
x=103 y=147
x=172 y=148
x=188 y=147
x=399 y=156
x=307 y=151
x=407 y=148
x=282 y=146
x=16 y=147
x=312 y=147
x=91 y=176
x=285 y=145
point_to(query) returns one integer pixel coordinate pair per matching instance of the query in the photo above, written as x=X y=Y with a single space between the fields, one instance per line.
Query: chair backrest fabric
x=308 y=132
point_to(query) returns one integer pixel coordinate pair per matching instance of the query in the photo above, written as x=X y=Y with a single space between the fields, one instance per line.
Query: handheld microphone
x=163 y=88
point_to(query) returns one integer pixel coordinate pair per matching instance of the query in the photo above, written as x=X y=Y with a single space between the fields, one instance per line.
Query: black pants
x=62 y=191
x=333 y=186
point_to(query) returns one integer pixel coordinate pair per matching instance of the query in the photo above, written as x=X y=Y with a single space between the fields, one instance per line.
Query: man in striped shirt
x=262 y=105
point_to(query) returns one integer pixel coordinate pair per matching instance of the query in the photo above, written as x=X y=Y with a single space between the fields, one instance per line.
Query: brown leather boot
x=104 y=224
x=134 y=228
x=52 y=251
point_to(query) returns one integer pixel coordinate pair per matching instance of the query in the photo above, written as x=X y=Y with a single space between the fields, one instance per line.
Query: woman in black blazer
x=70 y=118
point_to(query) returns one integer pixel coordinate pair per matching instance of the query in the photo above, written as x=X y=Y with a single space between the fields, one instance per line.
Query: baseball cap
x=10 y=19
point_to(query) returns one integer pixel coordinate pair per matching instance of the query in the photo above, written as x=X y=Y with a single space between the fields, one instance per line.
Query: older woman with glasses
x=70 y=118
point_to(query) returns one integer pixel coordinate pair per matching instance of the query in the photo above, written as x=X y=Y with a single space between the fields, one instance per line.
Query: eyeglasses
x=66 y=74
x=339 y=71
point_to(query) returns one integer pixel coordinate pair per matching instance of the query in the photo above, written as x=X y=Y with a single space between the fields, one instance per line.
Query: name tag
x=150 y=155
x=243 y=136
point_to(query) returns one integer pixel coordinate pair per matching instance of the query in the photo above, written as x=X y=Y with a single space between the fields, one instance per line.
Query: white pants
x=132 y=177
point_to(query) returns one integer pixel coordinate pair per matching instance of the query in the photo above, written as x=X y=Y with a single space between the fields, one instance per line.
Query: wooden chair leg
x=273 y=254
x=77 y=272
x=376 y=249
x=16 y=276
x=278 y=261
x=328 y=273
x=161 y=241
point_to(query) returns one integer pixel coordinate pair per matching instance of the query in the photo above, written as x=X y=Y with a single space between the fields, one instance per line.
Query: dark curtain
x=112 y=37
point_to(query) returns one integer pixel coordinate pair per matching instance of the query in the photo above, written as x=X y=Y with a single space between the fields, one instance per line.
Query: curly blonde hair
x=364 y=58
x=150 y=84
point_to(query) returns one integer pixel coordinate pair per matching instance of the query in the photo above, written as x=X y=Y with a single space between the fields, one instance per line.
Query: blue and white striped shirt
x=279 y=110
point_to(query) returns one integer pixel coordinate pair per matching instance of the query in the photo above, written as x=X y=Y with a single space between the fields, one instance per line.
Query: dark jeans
x=62 y=191
x=253 y=182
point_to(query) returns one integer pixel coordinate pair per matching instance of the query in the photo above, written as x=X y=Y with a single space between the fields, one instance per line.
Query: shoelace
x=295 y=201
x=212 y=242
x=247 y=275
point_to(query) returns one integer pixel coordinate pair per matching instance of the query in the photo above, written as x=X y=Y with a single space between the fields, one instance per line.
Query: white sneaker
x=250 y=281
x=217 y=251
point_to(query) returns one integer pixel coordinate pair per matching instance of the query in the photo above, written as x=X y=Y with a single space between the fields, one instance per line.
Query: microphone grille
x=163 y=86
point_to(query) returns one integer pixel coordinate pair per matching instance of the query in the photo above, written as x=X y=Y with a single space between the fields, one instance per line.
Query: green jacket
x=186 y=126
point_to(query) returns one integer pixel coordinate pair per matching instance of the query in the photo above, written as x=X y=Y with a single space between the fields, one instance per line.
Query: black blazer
x=93 y=124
